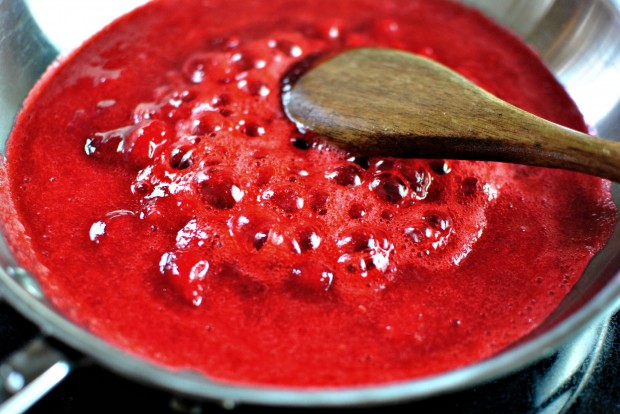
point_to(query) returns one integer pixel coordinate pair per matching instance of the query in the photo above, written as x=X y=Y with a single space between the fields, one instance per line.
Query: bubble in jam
x=285 y=197
x=432 y=232
x=219 y=189
x=364 y=250
x=389 y=187
x=346 y=175
x=112 y=226
x=252 y=229
x=306 y=239
x=187 y=272
x=312 y=276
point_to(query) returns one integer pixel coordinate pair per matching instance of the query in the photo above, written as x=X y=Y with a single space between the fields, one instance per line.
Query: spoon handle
x=513 y=135
x=480 y=126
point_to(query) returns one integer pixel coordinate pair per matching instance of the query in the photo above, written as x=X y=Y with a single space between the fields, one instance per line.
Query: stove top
x=582 y=377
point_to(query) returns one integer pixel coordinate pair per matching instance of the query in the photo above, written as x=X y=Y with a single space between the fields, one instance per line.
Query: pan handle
x=30 y=373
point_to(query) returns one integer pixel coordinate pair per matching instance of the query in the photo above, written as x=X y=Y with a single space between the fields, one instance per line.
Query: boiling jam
x=176 y=212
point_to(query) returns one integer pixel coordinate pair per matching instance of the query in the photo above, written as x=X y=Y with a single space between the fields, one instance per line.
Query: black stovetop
x=583 y=377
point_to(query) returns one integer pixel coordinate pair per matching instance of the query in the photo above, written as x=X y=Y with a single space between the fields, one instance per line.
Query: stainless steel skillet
x=579 y=39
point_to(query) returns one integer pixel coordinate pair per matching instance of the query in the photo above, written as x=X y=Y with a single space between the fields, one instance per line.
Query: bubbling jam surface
x=181 y=216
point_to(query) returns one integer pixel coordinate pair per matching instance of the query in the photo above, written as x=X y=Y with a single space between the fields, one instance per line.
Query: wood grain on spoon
x=389 y=103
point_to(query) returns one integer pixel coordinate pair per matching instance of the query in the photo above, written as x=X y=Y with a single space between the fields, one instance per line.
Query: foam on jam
x=180 y=215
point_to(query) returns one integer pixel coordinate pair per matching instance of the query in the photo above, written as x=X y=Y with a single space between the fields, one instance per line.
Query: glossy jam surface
x=178 y=213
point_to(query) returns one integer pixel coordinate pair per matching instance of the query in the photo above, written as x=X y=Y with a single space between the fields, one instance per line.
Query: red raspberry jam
x=176 y=212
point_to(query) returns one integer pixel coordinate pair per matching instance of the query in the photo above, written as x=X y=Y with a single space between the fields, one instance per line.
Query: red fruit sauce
x=176 y=212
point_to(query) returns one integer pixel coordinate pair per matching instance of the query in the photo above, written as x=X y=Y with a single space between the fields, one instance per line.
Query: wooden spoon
x=389 y=103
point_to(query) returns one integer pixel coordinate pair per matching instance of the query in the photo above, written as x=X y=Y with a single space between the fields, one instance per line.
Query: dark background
x=592 y=387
